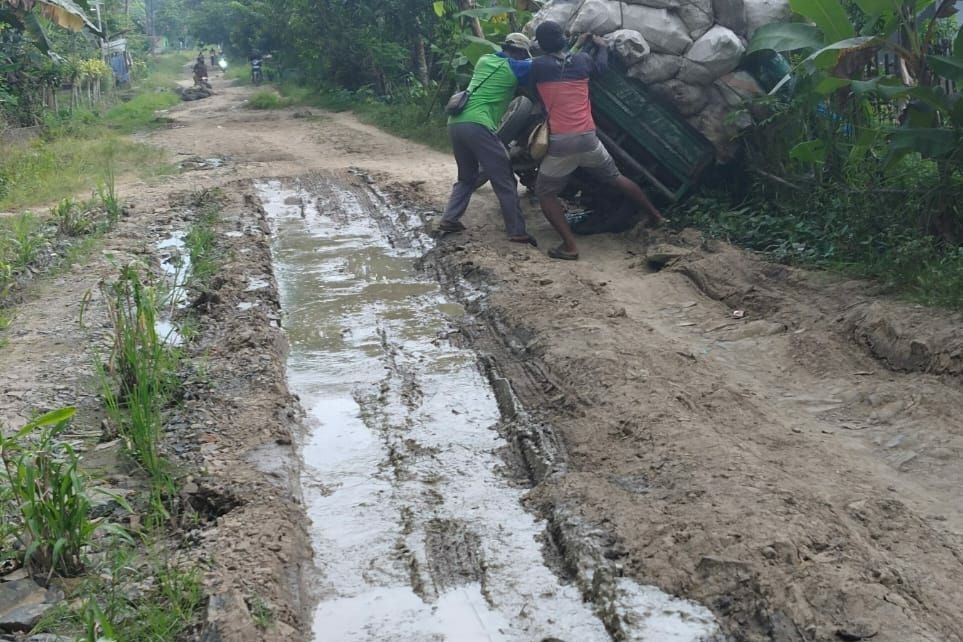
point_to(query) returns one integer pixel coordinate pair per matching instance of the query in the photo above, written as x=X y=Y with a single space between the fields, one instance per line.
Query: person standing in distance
x=562 y=82
x=473 y=140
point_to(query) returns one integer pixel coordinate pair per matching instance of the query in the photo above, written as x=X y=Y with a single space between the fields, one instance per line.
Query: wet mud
x=410 y=477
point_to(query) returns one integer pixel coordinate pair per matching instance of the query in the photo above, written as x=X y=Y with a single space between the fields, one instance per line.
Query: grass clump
x=43 y=499
x=404 y=117
x=268 y=99
x=129 y=599
x=200 y=242
x=81 y=145
x=139 y=379
x=49 y=170
x=139 y=112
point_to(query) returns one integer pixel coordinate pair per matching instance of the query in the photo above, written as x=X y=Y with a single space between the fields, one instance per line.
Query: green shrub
x=43 y=498
x=268 y=99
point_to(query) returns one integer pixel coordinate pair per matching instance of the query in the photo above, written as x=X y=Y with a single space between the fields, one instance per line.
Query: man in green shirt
x=473 y=139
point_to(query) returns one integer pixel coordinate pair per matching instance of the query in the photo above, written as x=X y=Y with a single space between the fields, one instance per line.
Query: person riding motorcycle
x=200 y=71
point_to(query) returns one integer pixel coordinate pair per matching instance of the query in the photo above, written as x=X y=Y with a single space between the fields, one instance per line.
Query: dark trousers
x=476 y=146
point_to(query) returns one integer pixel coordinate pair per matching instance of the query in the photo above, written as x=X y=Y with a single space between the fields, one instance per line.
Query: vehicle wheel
x=515 y=119
x=609 y=216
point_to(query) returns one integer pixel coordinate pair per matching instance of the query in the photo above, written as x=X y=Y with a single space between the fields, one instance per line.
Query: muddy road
x=404 y=439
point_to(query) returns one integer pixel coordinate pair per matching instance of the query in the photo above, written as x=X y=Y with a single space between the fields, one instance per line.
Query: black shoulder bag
x=459 y=100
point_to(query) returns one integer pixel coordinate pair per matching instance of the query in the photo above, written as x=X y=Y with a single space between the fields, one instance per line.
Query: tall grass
x=139 y=378
x=139 y=112
x=103 y=608
x=47 y=171
x=77 y=148
x=862 y=234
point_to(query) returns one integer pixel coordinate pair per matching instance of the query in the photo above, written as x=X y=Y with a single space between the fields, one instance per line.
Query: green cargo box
x=648 y=138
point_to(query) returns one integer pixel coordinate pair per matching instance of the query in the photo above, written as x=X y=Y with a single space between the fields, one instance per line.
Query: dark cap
x=550 y=36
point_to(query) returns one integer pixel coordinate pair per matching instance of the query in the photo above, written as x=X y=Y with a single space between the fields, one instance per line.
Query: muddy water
x=418 y=533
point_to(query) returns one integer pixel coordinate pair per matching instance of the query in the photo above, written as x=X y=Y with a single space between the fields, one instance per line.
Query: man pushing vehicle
x=562 y=82
x=475 y=115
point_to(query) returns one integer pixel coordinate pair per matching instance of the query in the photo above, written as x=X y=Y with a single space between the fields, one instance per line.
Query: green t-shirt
x=487 y=105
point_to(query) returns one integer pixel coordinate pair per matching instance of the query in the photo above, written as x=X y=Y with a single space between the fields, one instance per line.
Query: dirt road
x=781 y=447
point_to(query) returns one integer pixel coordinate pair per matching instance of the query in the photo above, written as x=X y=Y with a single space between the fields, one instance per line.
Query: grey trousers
x=475 y=145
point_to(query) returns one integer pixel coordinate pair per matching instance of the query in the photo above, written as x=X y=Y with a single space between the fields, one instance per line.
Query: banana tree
x=832 y=51
x=23 y=15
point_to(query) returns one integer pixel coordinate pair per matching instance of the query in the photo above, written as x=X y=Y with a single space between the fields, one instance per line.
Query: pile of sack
x=686 y=51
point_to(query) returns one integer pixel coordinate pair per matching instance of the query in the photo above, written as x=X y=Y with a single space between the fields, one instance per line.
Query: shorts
x=567 y=153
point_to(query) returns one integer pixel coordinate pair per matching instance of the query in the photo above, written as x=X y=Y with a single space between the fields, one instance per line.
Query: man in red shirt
x=562 y=82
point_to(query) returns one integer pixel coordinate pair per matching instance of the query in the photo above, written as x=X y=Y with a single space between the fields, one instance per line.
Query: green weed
x=140 y=112
x=107 y=193
x=26 y=238
x=49 y=170
x=44 y=500
x=139 y=378
x=401 y=116
x=268 y=99
x=78 y=147
x=104 y=608
x=200 y=242
x=864 y=234
x=261 y=612
x=72 y=218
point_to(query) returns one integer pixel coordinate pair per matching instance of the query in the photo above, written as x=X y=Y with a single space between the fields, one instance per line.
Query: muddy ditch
x=418 y=455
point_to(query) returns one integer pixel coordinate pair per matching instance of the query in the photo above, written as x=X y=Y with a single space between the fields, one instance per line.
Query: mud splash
x=418 y=528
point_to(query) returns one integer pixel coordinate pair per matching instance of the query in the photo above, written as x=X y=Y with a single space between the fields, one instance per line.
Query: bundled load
x=685 y=51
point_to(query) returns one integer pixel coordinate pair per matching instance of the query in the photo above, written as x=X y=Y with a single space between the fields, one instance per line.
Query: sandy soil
x=797 y=470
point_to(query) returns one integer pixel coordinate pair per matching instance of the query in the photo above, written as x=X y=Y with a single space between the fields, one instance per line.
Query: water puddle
x=418 y=533
x=175 y=262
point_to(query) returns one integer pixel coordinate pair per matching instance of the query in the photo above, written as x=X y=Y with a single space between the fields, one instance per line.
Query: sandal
x=524 y=239
x=561 y=254
x=451 y=226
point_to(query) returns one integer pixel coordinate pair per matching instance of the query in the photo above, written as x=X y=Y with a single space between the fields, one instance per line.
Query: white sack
x=697 y=17
x=559 y=11
x=656 y=4
x=695 y=73
x=664 y=31
x=596 y=16
x=738 y=87
x=629 y=45
x=718 y=51
x=656 y=67
x=731 y=14
x=688 y=99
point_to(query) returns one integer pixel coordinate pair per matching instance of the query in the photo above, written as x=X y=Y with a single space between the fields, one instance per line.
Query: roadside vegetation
x=851 y=168
x=109 y=554
x=77 y=144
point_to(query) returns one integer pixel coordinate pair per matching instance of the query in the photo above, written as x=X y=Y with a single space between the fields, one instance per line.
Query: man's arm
x=522 y=70
x=600 y=63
